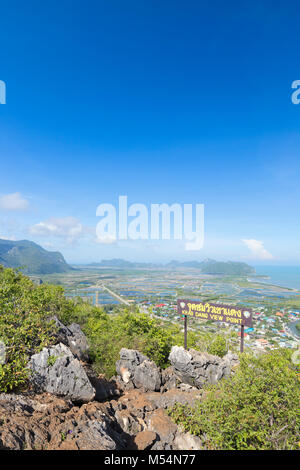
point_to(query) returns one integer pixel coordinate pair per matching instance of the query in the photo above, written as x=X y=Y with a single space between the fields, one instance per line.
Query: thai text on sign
x=216 y=312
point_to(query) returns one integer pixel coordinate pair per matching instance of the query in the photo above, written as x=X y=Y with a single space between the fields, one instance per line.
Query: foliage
x=130 y=329
x=218 y=346
x=51 y=361
x=257 y=408
x=24 y=309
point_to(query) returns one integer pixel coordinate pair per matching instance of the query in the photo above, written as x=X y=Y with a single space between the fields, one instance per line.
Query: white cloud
x=257 y=249
x=69 y=228
x=7 y=237
x=13 y=202
x=107 y=240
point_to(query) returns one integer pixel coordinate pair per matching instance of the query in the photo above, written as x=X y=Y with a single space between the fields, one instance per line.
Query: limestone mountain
x=32 y=258
x=207 y=266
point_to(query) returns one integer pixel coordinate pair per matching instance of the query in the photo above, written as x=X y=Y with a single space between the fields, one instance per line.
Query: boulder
x=144 y=440
x=77 y=342
x=136 y=371
x=129 y=423
x=169 y=380
x=147 y=376
x=163 y=426
x=197 y=368
x=73 y=337
x=55 y=370
x=93 y=435
x=186 y=441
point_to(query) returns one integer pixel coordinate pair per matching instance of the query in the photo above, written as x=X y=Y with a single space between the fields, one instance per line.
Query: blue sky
x=162 y=101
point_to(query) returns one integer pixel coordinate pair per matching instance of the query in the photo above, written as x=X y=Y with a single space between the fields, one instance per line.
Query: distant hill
x=208 y=266
x=211 y=266
x=121 y=263
x=31 y=257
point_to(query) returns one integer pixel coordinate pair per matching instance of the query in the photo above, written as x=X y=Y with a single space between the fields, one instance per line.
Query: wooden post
x=185 y=332
x=242 y=338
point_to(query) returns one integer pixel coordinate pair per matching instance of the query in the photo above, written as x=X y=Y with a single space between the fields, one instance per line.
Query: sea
x=284 y=276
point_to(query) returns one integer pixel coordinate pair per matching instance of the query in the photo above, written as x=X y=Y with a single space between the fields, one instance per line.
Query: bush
x=257 y=408
x=24 y=329
x=109 y=333
x=218 y=346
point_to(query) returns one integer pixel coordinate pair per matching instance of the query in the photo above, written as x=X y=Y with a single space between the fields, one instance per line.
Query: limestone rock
x=169 y=379
x=55 y=370
x=46 y=422
x=145 y=439
x=173 y=396
x=147 y=376
x=232 y=359
x=73 y=337
x=162 y=425
x=93 y=435
x=196 y=368
x=136 y=371
x=186 y=441
x=77 y=342
x=129 y=423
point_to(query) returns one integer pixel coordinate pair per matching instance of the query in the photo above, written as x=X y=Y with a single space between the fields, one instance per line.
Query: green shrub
x=109 y=333
x=257 y=408
x=218 y=346
x=25 y=328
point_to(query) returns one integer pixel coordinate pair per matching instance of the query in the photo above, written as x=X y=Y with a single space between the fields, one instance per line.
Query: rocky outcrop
x=143 y=416
x=198 y=368
x=73 y=337
x=56 y=370
x=189 y=370
x=46 y=422
x=68 y=417
x=136 y=371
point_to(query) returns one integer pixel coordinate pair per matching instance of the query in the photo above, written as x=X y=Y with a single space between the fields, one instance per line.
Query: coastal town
x=155 y=291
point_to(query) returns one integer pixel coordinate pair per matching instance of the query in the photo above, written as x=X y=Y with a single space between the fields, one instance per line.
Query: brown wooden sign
x=217 y=312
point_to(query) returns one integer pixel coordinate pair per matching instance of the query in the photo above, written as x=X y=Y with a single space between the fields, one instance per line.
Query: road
x=113 y=294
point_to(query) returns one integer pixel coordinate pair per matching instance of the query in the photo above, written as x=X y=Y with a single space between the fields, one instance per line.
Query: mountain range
x=33 y=259
x=207 y=266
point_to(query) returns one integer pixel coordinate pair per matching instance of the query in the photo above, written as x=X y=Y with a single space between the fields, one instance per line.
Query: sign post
x=185 y=332
x=231 y=314
x=242 y=338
